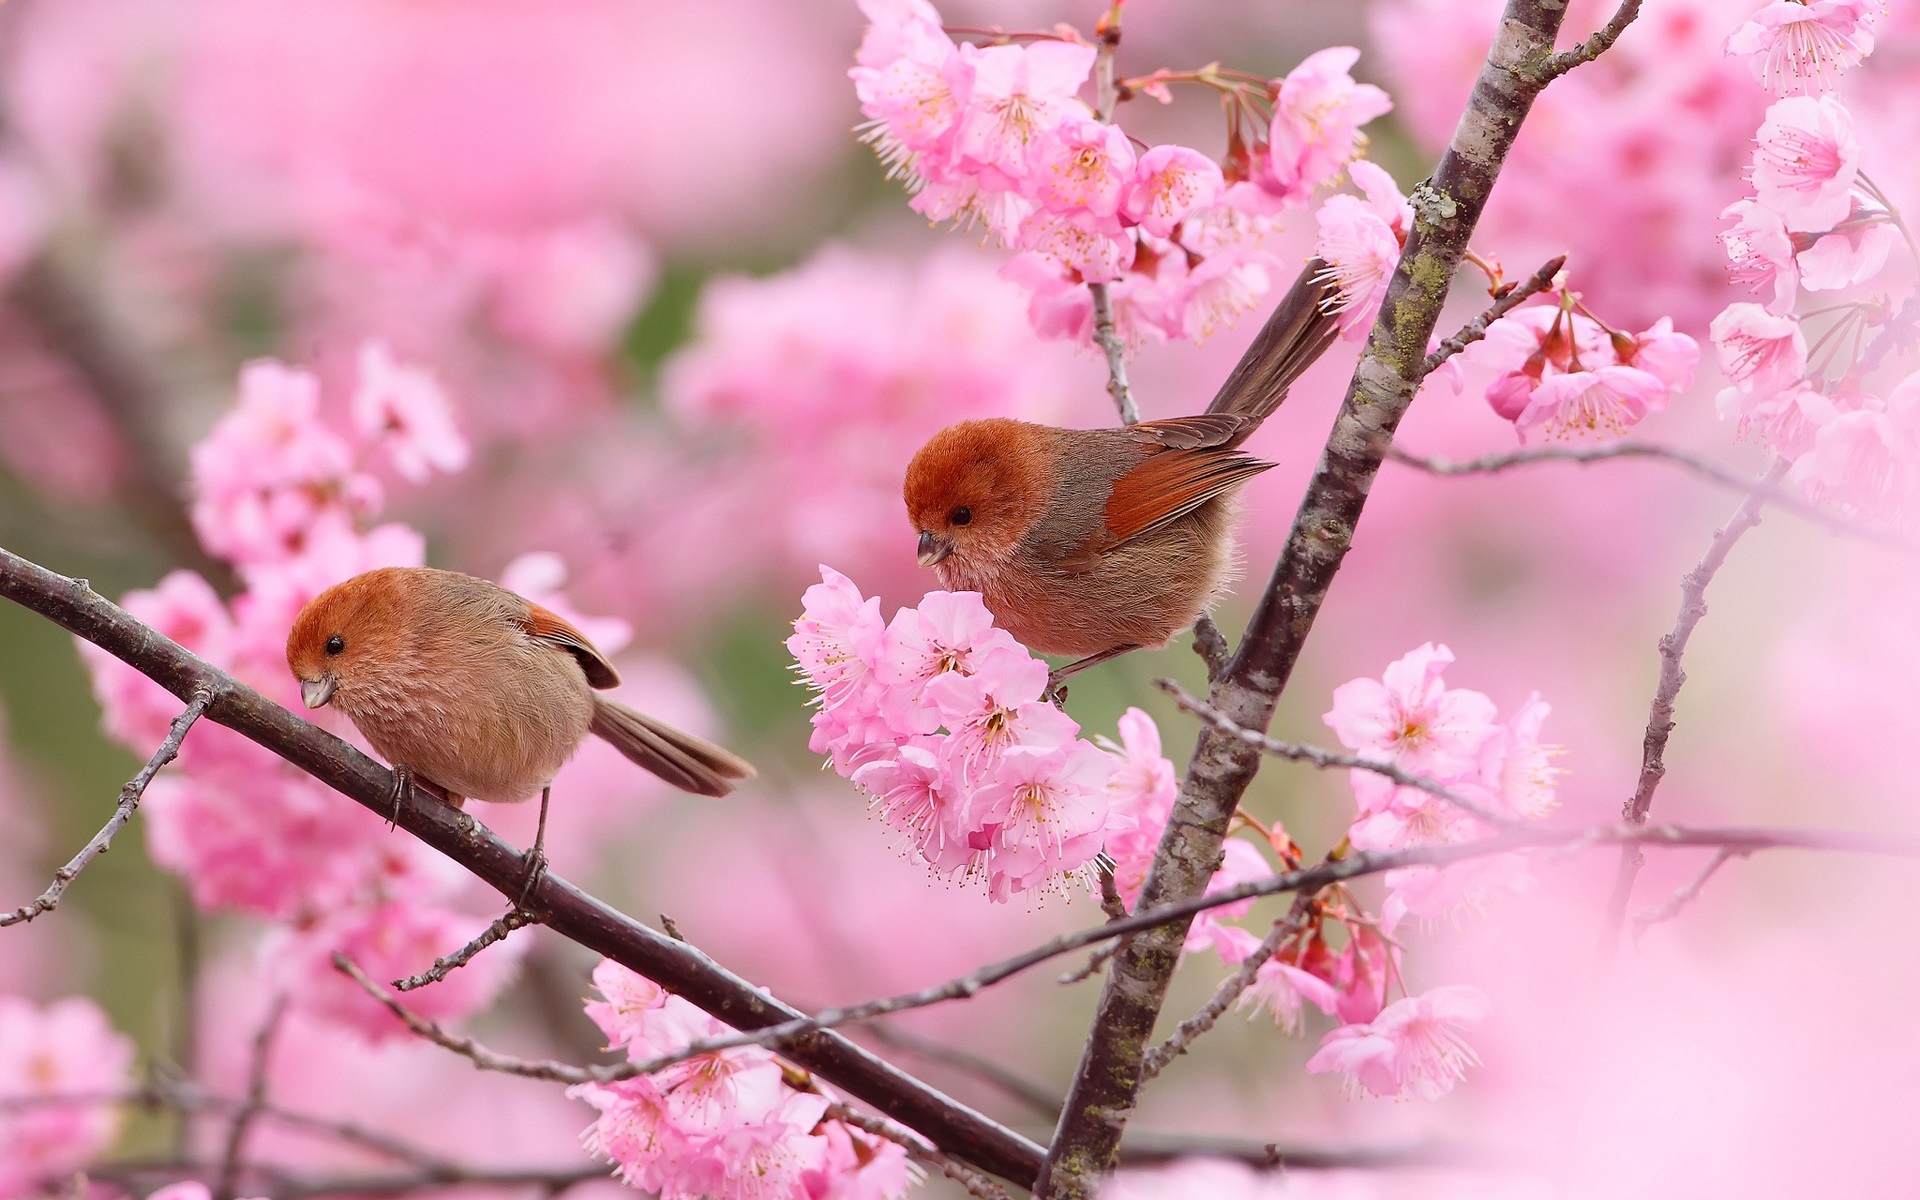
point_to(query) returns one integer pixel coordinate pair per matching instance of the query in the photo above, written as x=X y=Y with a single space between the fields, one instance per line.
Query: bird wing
x=545 y=626
x=1171 y=484
x=1191 y=433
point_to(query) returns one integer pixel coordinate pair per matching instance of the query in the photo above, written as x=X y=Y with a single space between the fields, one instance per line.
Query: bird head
x=976 y=489
x=339 y=631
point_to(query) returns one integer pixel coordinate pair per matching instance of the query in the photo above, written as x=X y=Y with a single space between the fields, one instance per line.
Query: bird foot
x=536 y=870
x=401 y=793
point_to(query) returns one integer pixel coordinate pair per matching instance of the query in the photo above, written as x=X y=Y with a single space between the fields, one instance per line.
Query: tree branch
x=197 y=702
x=1653 y=767
x=1107 y=97
x=562 y=907
x=1231 y=989
x=1503 y=304
x=514 y=918
x=1686 y=894
x=1445 y=210
x=1602 y=39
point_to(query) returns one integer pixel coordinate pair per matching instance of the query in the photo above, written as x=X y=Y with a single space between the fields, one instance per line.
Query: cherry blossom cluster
x=999 y=134
x=1816 y=223
x=64 y=1049
x=289 y=499
x=1564 y=373
x=729 y=1125
x=940 y=717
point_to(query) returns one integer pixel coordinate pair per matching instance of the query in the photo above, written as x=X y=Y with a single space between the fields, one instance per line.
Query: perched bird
x=462 y=683
x=1094 y=542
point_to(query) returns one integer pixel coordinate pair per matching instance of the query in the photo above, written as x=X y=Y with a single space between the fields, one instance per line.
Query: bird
x=1096 y=542
x=484 y=694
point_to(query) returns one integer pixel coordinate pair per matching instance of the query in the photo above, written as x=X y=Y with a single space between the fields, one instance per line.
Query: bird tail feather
x=689 y=763
x=1301 y=328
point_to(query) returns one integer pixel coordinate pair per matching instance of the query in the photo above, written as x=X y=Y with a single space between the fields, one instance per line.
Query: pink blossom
x=1083 y=167
x=1411 y=717
x=1140 y=796
x=1019 y=94
x=911 y=84
x=1759 y=352
x=402 y=410
x=1860 y=462
x=1517 y=767
x=1796 y=48
x=135 y=709
x=993 y=710
x=1760 y=254
x=1058 y=306
x=627 y=999
x=1784 y=421
x=66 y=1048
x=838 y=639
x=1606 y=401
x=1413 y=1047
x=1805 y=162
x=1316 y=122
x=569 y=289
x=859 y=1166
x=911 y=789
x=1279 y=988
x=1851 y=254
x=1218 y=291
x=1360 y=242
x=1240 y=863
x=1168 y=183
x=1359 y=974
x=947 y=631
x=1392 y=817
x=1048 y=810
x=1433 y=895
x=1668 y=356
x=1097 y=257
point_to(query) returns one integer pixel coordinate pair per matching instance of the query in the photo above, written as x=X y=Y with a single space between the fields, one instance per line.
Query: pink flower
x=1414 y=1046
x=1140 y=797
x=1097 y=257
x=838 y=639
x=1785 y=421
x=993 y=710
x=1019 y=94
x=1606 y=401
x=1279 y=989
x=1517 y=766
x=1409 y=716
x=1668 y=356
x=911 y=84
x=1083 y=167
x=1316 y=122
x=1218 y=291
x=1433 y=895
x=1047 y=809
x=1392 y=817
x=135 y=709
x=628 y=999
x=1859 y=462
x=1168 y=183
x=1760 y=254
x=911 y=788
x=1851 y=254
x=1059 y=307
x=1360 y=241
x=1796 y=48
x=403 y=410
x=66 y=1048
x=1758 y=351
x=1805 y=161
x=860 y=1166
x=948 y=631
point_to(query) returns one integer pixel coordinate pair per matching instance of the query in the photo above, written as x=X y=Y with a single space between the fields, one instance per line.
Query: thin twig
x=919 y=1150
x=1602 y=39
x=1211 y=645
x=1705 y=468
x=1231 y=988
x=1106 y=98
x=1653 y=767
x=1091 y=967
x=1503 y=304
x=479 y=1055
x=1328 y=760
x=258 y=1078
x=123 y=812
x=1686 y=894
x=515 y=918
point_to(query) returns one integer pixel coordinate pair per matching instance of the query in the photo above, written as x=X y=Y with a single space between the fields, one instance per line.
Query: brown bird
x=466 y=685
x=1094 y=542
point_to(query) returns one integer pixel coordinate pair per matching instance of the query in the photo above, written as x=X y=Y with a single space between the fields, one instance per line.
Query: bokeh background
x=693 y=333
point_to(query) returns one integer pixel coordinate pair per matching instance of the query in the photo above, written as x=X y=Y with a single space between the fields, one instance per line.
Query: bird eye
x=336 y=644
x=962 y=516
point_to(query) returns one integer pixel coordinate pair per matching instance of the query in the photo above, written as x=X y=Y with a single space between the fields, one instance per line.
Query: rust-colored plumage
x=476 y=690
x=1092 y=542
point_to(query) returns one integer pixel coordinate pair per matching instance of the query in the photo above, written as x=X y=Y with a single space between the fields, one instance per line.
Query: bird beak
x=932 y=549
x=316 y=692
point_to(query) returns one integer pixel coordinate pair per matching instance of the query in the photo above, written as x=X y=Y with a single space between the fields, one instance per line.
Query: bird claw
x=536 y=860
x=401 y=793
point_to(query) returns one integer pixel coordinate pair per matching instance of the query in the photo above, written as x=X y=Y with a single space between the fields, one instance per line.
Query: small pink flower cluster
x=287 y=498
x=998 y=134
x=1566 y=374
x=721 y=1126
x=1360 y=240
x=66 y=1048
x=938 y=716
x=1814 y=223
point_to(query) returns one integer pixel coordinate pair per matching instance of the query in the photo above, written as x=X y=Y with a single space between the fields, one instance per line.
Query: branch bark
x=1446 y=209
x=562 y=907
